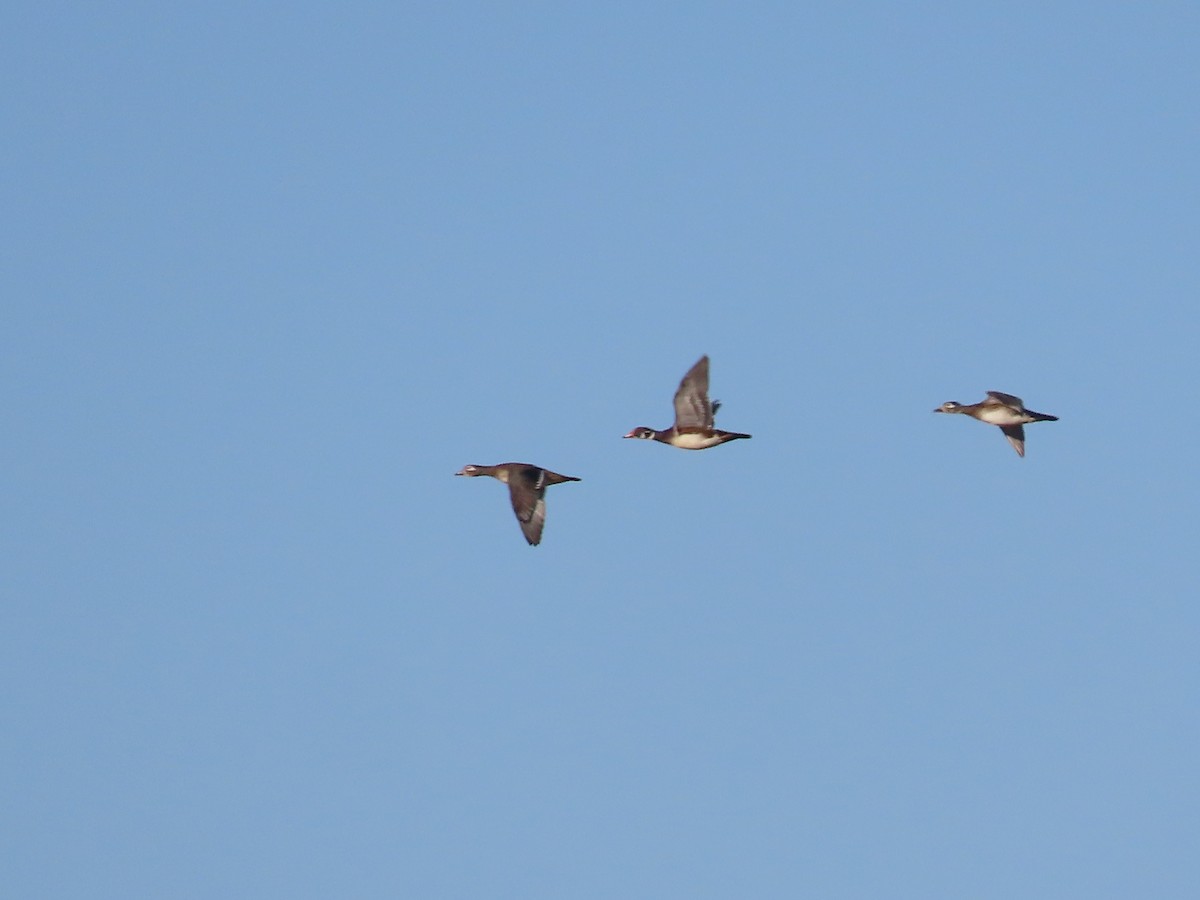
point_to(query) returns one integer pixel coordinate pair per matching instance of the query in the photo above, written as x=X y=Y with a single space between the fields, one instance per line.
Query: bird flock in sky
x=694 y=430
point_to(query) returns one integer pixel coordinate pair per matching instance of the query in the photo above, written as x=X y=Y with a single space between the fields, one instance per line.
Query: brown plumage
x=1005 y=411
x=526 y=488
x=693 y=428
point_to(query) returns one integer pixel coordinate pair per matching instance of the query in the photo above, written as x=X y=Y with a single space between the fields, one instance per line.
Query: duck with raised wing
x=1003 y=410
x=693 y=428
x=527 y=489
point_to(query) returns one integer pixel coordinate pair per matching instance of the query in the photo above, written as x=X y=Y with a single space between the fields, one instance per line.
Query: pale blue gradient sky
x=274 y=272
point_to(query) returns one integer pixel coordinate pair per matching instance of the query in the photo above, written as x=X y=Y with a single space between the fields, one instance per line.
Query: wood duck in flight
x=693 y=428
x=527 y=489
x=1003 y=410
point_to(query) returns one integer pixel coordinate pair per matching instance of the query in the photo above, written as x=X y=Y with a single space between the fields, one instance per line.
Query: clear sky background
x=273 y=272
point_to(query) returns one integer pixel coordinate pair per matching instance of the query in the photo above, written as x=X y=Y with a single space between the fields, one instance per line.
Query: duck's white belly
x=693 y=441
x=1001 y=415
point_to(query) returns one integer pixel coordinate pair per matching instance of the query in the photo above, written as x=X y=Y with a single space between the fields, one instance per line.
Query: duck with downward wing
x=1003 y=410
x=526 y=488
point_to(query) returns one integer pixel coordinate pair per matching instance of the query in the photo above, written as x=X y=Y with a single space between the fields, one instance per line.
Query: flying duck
x=693 y=428
x=526 y=488
x=1004 y=410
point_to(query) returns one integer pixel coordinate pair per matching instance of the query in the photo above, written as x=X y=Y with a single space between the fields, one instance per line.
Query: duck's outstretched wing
x=527 y=490
x=1006 y=399
x=692 y=406
x=1016 y=437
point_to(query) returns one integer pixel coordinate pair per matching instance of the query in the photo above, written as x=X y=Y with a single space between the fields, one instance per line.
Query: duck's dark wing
x=1006 y=399
x=527 y=489
x=692 y=407
x=1016 y=437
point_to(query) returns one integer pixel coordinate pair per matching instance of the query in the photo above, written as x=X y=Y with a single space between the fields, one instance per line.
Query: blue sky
x=274 y=272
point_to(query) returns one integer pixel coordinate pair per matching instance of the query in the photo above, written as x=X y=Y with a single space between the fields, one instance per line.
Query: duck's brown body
x=1005 y=411
x=527 y=485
